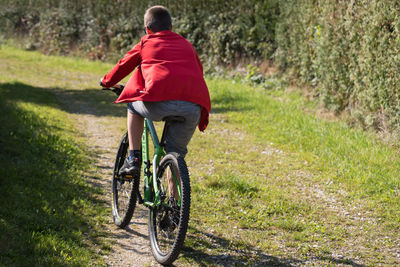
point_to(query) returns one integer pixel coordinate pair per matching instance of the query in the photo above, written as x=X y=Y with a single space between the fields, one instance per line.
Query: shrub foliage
x=346 y=50
x=350 y=51
x=223 y=32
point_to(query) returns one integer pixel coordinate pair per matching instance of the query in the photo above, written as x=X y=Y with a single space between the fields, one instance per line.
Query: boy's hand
x=117 y=89
x=101 y=83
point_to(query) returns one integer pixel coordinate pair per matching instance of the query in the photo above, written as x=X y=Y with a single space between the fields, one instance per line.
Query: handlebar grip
x=117 y=89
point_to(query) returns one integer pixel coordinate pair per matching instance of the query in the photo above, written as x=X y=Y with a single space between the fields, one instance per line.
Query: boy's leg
x=135 y=130
x=178 y=134
x=173 y=191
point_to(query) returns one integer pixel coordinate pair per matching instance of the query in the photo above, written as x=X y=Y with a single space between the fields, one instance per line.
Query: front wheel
x=124 y=190
x=168 y=222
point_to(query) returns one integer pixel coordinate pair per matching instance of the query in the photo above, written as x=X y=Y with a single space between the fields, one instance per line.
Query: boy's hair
x=157 y=18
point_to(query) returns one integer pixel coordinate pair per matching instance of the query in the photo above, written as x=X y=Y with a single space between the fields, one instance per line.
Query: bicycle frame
x=149 y=183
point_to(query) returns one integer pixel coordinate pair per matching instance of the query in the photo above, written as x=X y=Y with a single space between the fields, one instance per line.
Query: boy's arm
x=125 y=66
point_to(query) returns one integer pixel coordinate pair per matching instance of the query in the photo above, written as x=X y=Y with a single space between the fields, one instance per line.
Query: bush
x=349 y=51
x=222 y=32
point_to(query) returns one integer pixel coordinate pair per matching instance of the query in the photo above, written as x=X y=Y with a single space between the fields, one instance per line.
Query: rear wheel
x=124 y=189
x=168 y=221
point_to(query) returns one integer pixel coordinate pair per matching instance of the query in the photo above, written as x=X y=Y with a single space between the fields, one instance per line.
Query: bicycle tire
x=158 y=224
x=124 y=190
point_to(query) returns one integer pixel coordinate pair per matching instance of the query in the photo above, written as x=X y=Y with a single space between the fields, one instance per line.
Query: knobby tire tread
x=171 y=256
x=123 y=221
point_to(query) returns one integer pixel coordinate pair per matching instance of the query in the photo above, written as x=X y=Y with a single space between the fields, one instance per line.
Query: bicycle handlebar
x=117 y=89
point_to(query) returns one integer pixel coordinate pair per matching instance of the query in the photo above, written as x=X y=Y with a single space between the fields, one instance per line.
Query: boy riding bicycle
x=167 y=81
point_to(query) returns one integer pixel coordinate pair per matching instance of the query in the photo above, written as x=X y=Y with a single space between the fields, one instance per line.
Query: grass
x=273 y=182
x=350 y=158
x=294 y=185
x=50 y=215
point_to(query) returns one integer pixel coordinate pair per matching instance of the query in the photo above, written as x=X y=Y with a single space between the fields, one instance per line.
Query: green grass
x=297 y=187
x=273 y=182
x=350 y=158
x=50 y=215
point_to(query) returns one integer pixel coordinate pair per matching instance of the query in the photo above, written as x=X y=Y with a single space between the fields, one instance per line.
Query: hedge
x=349 y=50
x=346 y=50
x=223 y=32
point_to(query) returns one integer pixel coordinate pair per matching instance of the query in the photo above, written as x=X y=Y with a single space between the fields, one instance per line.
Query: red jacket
x=167 y=68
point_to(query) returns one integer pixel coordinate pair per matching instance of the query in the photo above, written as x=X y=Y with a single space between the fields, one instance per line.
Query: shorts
x=178 y=133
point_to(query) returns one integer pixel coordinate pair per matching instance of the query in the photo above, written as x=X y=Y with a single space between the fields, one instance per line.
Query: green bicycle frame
x=149 y=172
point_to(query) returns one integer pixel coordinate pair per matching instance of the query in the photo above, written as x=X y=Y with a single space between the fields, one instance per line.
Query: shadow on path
x=202 y=244
x=203 y=249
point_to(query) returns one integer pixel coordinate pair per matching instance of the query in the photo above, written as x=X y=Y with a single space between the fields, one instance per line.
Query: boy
x=168 y=81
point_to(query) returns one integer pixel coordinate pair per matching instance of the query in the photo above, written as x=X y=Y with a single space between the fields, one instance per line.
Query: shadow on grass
x=98 y=102
x=95 y=102
x=47 y=212
x=234 y=254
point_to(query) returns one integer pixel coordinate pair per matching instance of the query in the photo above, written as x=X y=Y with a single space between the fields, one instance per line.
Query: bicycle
x=166 y=191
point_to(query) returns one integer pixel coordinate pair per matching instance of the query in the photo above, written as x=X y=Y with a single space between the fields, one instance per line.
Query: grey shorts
x=179 y=133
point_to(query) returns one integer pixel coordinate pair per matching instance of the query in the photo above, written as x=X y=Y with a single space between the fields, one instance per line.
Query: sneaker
x=130 y=166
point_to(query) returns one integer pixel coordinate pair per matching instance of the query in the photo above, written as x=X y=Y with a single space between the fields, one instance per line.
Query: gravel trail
x=131 y=245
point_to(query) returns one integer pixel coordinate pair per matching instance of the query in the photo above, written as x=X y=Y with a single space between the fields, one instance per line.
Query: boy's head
x=157 y=18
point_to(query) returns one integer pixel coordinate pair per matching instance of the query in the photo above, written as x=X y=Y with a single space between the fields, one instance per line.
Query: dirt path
x=131 y=247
